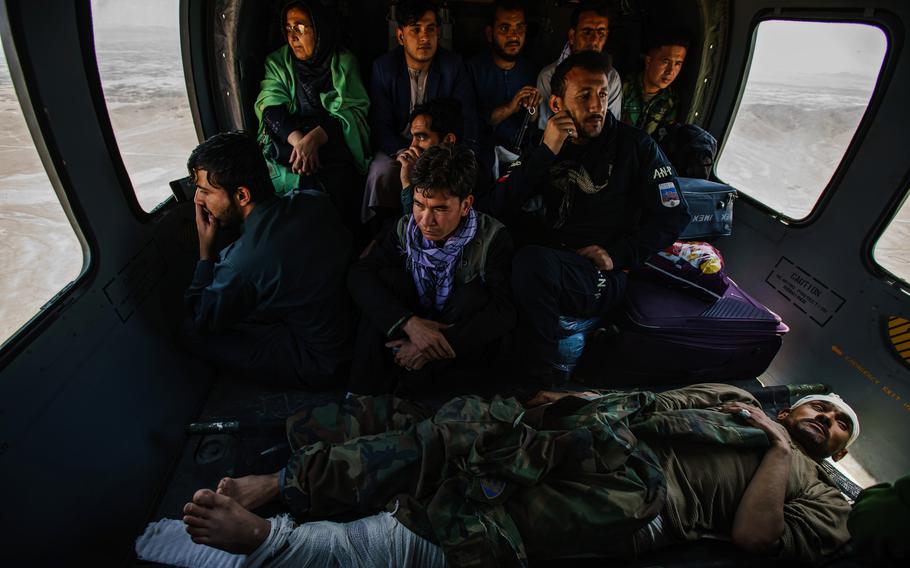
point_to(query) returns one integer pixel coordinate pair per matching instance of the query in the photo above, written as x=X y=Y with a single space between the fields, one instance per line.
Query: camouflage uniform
x=489 y=481
x=661 y=110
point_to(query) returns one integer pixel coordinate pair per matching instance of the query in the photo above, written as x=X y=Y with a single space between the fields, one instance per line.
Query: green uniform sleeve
x=706 y=395
x=815 y=521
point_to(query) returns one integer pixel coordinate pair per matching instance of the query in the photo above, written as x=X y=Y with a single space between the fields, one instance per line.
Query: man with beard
x=413 y=73
x=494 y=483
x=648 y=99
x=503 y=78
x=596 y=197
x=432 y=123
x=271 y=305
x=589 y=28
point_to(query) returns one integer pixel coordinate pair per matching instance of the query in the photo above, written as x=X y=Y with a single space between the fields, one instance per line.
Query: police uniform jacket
x=618 y=191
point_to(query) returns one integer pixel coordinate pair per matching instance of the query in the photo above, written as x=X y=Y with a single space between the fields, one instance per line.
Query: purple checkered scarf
x=432 y=267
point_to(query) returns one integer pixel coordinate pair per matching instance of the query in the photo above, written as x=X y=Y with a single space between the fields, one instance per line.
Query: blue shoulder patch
x=492 y=488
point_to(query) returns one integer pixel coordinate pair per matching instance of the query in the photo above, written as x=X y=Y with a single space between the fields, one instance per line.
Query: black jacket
x=480 y=309
x=632 y=209
x=390 y=96
x=287 y=268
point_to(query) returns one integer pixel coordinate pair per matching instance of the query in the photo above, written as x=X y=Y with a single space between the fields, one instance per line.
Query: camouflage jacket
x=661 y=110
x=494 y=483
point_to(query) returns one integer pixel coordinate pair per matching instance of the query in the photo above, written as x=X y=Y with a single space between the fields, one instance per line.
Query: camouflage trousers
x=485 y=479
x=351 y=457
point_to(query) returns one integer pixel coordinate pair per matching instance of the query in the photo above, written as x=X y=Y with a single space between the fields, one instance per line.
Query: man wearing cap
x=497 y=482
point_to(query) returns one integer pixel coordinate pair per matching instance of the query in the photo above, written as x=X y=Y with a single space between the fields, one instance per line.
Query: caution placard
x=810 y=295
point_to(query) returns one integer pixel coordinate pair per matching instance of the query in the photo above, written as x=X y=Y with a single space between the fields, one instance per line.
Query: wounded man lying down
x=494 y=482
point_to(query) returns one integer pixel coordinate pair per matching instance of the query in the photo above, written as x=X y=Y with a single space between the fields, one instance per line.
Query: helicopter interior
x=96 y=394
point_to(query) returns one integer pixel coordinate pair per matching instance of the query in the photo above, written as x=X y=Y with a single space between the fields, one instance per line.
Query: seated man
x=589 y=28
x=648 y=100
x=606 y=199
x=432 y=123
x=487 y=483
x=504 y=79
x=271 y=305
x=437 y=286
x=415 y=72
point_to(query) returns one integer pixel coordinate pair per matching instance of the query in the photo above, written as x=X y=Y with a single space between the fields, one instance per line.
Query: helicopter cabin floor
x=257 y=444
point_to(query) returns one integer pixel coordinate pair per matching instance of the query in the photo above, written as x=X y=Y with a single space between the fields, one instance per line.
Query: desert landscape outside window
x=892 y=251
x=39 y=251
x=137 y=46
x=809 y=84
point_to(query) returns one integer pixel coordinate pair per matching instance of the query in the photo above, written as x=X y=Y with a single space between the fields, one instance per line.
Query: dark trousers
x=373 y=369
x=549 y=283
x=264 y=353
x=344 y=187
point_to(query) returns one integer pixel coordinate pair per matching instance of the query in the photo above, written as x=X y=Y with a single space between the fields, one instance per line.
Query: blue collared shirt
x=495 y=87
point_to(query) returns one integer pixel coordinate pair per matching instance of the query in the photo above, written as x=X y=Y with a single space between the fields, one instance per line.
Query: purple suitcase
x=670 y=334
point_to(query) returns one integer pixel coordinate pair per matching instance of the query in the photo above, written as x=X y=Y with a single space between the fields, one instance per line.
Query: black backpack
x=689 y=148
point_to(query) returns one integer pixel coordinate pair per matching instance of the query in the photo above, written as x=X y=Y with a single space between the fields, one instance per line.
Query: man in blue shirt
x=503 y=78
x=271 y=305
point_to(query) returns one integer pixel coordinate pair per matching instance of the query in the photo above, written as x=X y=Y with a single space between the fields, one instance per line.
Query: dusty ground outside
x=144 y=88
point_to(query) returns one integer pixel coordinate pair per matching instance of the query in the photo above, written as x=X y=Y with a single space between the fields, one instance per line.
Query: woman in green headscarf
x=312 y=109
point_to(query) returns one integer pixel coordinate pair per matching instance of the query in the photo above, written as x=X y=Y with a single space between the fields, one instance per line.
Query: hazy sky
x=117 y=13
x=788 y=47
x=818 y=48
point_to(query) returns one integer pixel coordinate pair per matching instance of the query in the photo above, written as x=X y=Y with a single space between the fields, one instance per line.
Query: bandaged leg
x=379 y=540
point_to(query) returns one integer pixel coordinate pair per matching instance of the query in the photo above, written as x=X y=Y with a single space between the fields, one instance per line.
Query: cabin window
x=137 y=46
x=891 y=251
x=40 y=253
x=808 y=85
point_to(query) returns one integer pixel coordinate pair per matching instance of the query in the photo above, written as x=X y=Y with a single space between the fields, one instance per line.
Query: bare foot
x=251 y=491
x=219 y=521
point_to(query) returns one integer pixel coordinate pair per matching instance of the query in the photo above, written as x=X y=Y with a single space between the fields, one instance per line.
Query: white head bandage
x=839 y=403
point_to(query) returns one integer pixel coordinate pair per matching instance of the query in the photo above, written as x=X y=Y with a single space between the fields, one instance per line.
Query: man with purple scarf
x=435 y=292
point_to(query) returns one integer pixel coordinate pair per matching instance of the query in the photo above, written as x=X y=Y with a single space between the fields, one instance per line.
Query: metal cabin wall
x=851 y=351
x=91 y=409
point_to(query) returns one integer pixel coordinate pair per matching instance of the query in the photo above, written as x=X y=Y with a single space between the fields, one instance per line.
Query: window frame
x=93 y=71
x=865 y=123
x=40 y=131
x=889 y=213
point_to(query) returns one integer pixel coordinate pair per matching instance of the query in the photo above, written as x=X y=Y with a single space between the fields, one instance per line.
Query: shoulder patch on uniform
x=492 y=488
x=668 y=195
x=665 y=171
